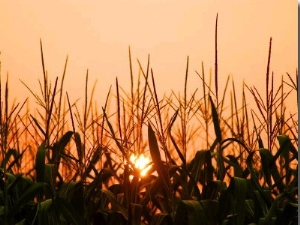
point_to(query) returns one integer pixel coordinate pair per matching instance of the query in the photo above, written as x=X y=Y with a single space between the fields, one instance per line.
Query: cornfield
x=210 y=160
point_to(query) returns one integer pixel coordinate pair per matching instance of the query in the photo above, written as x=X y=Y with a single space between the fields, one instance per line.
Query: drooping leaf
x=115 y=203
x=238 y=171
x=58 y=149
x=65 y=139
x=8 y=154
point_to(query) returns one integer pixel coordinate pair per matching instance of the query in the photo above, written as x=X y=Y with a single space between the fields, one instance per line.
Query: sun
x=141 y=163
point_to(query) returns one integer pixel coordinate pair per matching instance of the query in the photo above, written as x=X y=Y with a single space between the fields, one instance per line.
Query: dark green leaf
x=190 y=212
x=28 y=195
x=68 y=211
x=238 y=188
x=210 y=208
x=40 y=163
x=115 y=203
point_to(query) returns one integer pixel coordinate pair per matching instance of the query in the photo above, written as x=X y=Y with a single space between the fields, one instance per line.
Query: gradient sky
x=95 y=34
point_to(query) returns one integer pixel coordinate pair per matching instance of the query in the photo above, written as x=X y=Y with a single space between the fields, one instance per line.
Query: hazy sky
x=95 y=34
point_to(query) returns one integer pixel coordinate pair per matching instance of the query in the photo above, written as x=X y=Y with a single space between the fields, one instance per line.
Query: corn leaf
x=28 y=195
x=210 y=208
x=216 y=121
x=238 y=188
x=68 y=211
x=93 y=187
x=156 y=158
x=40 y=163
x=78 y=146
x=190 y=212
x=135 y=214
x=115 y=203
x=45 y=213
x=270 y=169
x=8 y=154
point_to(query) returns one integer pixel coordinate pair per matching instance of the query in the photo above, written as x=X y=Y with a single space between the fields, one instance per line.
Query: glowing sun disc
x=140 y=162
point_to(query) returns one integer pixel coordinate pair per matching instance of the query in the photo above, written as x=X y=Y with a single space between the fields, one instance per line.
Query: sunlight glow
x=141 y=162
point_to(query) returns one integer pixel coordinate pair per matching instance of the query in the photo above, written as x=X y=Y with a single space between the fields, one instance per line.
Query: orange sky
x=96 y=35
